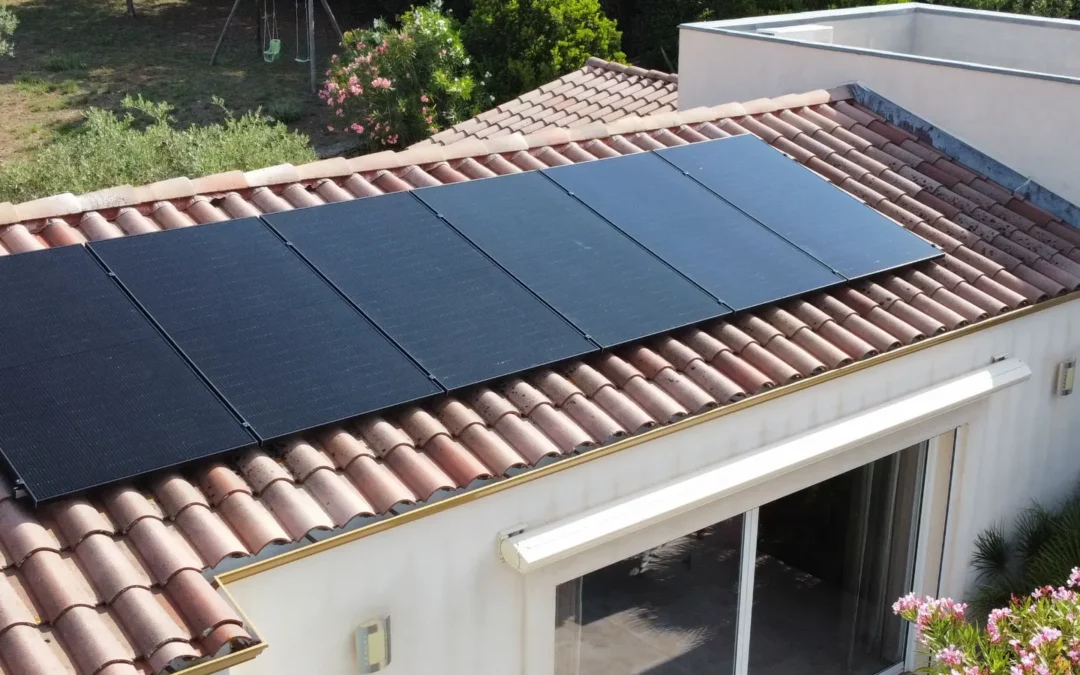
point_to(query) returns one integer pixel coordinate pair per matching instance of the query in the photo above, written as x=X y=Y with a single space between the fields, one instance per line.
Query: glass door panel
x=830 y=561
x=669 y=611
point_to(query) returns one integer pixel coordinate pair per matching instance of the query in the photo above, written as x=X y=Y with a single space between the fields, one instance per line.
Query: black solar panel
x=602 y=281
x=272 y=336
x=457 y=313
x=719 y=247
x=90 y=392
x=848 y=236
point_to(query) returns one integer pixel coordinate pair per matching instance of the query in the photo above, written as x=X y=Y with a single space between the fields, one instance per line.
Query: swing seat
x=273 y=51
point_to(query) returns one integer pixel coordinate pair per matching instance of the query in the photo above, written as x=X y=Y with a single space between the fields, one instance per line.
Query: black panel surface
x=90 y=392
x=823 y=220
x=457 y=313
x=719 y=247
x=602 y=281
x=272 y=336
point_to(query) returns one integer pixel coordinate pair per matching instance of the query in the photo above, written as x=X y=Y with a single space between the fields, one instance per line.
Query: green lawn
x=71 y=54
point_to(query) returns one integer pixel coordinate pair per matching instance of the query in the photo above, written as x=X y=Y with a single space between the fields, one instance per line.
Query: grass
x=73 y=54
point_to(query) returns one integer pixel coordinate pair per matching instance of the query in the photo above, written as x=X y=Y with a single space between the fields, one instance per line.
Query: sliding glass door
x=831 y=559
x=801 y=585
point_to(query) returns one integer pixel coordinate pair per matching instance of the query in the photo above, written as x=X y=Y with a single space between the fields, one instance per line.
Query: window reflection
x=668 y=611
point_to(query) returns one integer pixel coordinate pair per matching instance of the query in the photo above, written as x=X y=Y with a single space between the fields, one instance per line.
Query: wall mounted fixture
x=1066 y=373
x=373 y=646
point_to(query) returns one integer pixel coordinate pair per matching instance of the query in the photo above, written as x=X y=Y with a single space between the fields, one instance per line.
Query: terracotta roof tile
x=600 y=90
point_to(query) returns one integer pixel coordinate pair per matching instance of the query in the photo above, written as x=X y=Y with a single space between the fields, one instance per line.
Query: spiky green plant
x=1043 y=547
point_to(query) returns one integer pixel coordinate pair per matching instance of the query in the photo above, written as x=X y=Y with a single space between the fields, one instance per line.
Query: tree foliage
x=8 y=22
x=113 y=150
x=392 y=87
x=524 y=44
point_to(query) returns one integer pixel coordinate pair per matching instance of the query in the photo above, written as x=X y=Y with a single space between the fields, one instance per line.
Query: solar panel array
x=134 y=354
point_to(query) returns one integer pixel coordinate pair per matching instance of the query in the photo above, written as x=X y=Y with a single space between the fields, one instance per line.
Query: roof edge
x=469 y=147
x=967 y=154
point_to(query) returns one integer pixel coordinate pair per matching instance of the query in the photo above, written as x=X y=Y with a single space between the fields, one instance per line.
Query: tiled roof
x=602 y=91
x=114 y=583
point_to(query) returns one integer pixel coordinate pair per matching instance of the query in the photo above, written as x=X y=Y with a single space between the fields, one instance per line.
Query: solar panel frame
x=281 y=345
x=608 y=285
x=724 y=251
x=418 y=278
x=848 y=236
x=67 y=405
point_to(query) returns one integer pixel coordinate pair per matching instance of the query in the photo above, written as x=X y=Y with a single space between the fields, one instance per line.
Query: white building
x=985 y=76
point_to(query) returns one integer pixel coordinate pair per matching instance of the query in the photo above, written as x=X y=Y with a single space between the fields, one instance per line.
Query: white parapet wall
x=1006 y=84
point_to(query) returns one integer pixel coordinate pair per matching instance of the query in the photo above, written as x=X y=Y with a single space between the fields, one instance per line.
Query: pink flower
x=951 y=655
x=381 y=83
x=1074 y=577
x=339 y=112
x=329 y=128
x=424 y=98
x=357 y=128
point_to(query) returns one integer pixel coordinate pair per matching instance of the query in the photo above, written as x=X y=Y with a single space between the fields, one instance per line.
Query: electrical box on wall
x=373 y=646
x=1066 y=374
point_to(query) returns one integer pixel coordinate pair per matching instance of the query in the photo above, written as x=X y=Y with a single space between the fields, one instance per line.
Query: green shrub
x=8 y=22
x=62 y=63
x=393 y=87
x=112 y=150
x=526 y=43
x=1042 y=548
x=286 y=111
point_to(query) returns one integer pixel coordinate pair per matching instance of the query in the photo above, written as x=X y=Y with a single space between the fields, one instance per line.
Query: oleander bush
x=392 y=87
x=1034 y=634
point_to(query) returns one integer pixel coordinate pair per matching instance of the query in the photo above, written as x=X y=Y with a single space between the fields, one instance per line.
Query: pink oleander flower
x=951 y=655
x=1074 y=577
x=381 y=83
x=329 y=127
x=423 y=98
x=356 y=127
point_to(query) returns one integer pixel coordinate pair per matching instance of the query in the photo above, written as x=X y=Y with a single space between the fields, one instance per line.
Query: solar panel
x=457 y=313
x=601 y=280
x=272 y=336
x=719 y=247
x=848 y=236
x=91 y=392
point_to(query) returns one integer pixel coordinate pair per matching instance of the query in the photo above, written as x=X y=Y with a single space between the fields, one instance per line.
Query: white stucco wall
x=456 y=609
x=1041 y=48
x=1026 y=123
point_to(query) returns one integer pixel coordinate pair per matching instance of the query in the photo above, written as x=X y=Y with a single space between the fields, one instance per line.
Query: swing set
x=269 y=35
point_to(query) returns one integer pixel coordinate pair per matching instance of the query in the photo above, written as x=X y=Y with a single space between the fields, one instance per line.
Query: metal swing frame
x=310 y=33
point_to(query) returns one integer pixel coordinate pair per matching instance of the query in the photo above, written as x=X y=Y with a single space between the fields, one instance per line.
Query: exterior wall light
x=373 y=646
